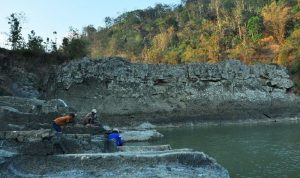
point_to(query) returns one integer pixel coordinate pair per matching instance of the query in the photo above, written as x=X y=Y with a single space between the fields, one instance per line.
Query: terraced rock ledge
x=170 y=163
x=37 y=153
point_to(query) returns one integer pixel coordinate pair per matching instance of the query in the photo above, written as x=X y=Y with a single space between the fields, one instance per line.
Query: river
x=265 y=150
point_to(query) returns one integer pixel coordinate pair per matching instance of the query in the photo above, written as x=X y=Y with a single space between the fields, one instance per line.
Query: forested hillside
x=264 y=31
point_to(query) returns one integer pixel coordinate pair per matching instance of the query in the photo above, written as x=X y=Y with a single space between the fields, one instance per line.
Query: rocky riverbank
x=81 y=152
x=136 y=96
x=176 y=163
x=83 y=155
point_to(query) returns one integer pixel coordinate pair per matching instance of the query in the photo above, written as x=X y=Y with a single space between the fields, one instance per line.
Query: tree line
x=265 y=31
x=73 y=46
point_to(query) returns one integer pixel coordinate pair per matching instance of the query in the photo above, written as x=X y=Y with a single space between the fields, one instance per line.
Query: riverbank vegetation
x=260 y=31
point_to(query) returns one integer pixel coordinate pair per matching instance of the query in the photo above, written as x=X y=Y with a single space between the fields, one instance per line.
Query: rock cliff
x=127 y=93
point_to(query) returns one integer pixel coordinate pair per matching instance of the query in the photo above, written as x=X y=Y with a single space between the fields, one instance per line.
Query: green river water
x=268 y=150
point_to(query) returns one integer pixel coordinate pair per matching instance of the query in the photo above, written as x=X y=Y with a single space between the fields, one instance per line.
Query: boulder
x=140 y=135
x=144 y=148
x=5 y=155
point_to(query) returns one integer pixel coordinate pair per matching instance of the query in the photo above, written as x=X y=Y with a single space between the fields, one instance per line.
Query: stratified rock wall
x=126 y=93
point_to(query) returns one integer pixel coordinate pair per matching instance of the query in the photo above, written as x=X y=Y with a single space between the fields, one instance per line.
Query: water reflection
x=245 y=150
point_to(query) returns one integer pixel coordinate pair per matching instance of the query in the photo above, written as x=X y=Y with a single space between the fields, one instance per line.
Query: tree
x=160 y=46
x=35 y=43
x=290 y=52
x=238 y=16
x=254 y=28
x=90 y=32
x=216 y=4
x=275 y=20
x=54 y=43
x=108 y=22
x=15 y=36
x=76 y=45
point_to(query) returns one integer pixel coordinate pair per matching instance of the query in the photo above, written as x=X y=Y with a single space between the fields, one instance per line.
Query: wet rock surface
x=138 y=135
x=131 y=94
x=42 y=153
x=39 y=153
x=145 y=148
x=175 y=163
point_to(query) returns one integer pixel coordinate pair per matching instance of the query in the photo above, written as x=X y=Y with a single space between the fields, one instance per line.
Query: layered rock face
x=18 y=113
x=126 y=93
x=17 y=81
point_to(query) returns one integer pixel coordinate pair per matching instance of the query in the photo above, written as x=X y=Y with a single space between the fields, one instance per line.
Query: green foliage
x=15 y=36
x=289 y=54
x=108 y=21
x=254 y=27
x=54 y=43
x=76 y=45
x=35 y=43
x=143 y=34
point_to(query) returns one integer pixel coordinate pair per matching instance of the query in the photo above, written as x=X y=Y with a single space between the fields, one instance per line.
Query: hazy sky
x=46 y=16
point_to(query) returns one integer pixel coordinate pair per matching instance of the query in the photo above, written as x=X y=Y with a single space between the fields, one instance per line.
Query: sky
x=47 y=16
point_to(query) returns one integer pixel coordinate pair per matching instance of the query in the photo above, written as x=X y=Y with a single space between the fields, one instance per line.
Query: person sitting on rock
x=115 y=136
x=89 y=119
x=61 y=121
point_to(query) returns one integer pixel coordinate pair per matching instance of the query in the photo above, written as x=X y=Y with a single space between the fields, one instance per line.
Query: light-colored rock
x=146 y=125
x=141 y=135
x=4 y=154
x=144 y=148
x=35 y=106
x=169 y=163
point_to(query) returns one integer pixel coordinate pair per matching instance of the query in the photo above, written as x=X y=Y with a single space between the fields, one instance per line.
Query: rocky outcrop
x=130 y=94
x=44 y=142
x=174 y=163
x=18 y=113
x=145 y=148
x=138 y=135
x=16 y=81
x=82 y=155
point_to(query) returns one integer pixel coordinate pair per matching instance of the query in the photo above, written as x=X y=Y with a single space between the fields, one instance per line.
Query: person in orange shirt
x=60 y=121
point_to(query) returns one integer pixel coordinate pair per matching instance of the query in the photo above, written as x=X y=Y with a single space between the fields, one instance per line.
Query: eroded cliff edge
x=127 y=93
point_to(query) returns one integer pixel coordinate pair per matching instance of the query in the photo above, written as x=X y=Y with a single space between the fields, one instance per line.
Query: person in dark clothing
x=89 y=119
